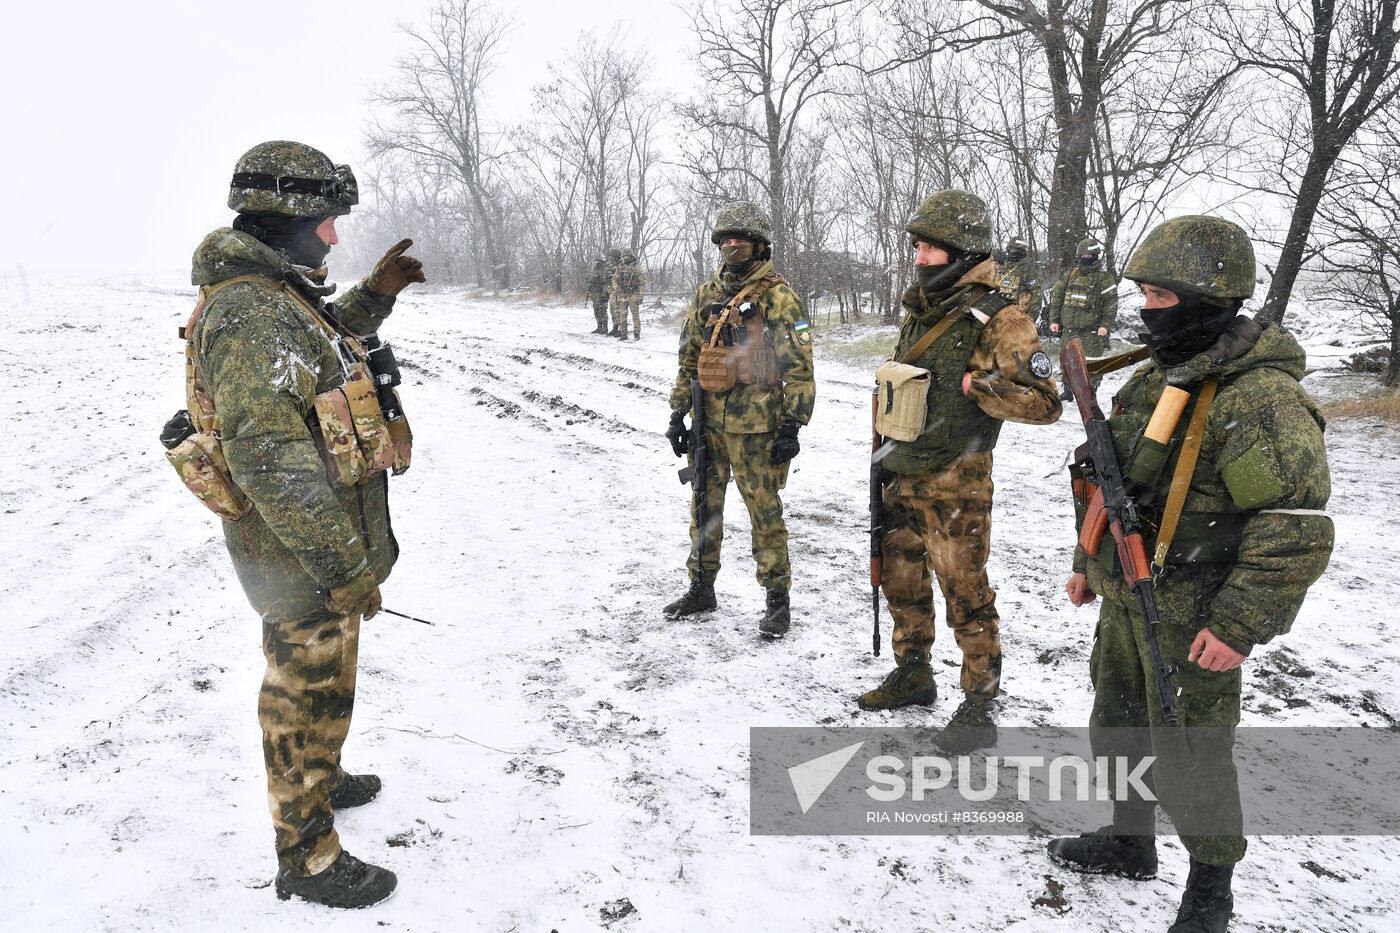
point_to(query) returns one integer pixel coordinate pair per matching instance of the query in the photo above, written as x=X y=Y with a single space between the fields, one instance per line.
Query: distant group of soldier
x=617 y=282
x=294 y=425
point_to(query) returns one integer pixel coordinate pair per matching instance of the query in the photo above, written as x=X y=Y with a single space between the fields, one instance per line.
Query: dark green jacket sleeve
x=1057 y=301
x=260 y=368
x=1106 y=303
x=362 y=310
x=1274 y=464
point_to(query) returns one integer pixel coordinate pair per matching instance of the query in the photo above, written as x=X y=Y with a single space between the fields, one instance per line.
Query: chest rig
x=358 y=426
x=736 y=347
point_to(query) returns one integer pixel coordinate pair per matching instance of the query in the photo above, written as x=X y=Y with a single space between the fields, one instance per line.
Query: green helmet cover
x=1199 y=255
x=742 y=218
x=291 y=179
x=953 y=218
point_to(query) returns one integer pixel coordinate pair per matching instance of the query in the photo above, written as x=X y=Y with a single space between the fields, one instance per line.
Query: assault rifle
x=877 y=519
x=695 y=474
x=1119 y=510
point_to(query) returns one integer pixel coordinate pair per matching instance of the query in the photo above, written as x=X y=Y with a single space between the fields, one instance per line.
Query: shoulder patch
x=1039 y=365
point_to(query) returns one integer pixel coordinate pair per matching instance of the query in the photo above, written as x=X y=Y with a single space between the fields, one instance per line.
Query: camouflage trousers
x=600 y=311
x=940 y=525
x=746 y=458
x=1194 y=775
x=621 y=306
x=308 y=694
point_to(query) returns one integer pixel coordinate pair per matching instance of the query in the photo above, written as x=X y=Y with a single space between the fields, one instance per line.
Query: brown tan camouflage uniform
x=628 y=283
x=743 y=422
x=938 y=501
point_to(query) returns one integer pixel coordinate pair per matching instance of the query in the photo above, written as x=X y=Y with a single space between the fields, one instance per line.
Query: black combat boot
x=613 y=332
x=699 y=598
x=972 y=726
x=637 y=336
x=1126 y=847
x=777 y=616
x=1207 y=904
x=356 y=790
x=349 y=882
x=909 y=684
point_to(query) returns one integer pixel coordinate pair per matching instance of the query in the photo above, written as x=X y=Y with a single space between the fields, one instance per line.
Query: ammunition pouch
x=902 y=408
x=199 y=460
x=359 y=425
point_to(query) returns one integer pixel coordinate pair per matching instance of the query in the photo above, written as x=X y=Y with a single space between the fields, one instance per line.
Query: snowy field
x=556 y=756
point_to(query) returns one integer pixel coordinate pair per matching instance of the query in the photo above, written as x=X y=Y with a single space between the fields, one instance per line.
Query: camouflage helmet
x=1206 y=256
x=291 y=180
x=1016 y=248
x=1089 y=247
x=953 y=218
x=742 y=218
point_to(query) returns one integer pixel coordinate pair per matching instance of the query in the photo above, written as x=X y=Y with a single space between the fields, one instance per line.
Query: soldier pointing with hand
x=294 y=436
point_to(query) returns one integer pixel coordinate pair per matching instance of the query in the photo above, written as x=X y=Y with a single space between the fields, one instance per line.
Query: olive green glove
x=394 y=271
x=359 y=597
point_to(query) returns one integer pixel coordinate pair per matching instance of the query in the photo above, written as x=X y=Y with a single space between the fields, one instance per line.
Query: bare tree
x=772 y=59
x=1087 y=46
x=1336 y=64
x=1360 y=225
x=435 y=116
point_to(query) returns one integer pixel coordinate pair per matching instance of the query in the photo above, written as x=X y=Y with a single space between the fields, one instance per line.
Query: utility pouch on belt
x=199 y=459
x=191 y=438
x=903 y=405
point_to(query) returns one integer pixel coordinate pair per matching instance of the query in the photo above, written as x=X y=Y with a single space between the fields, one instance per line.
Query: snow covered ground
x=555 y=754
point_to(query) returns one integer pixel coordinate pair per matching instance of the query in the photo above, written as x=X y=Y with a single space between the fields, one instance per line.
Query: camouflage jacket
x=263 y=361
x=628 y=280
x=599 y=281
x=1011 y=374
x=1083 y=301
x=1020 y=284
x=1252 y=537
x=752 y=409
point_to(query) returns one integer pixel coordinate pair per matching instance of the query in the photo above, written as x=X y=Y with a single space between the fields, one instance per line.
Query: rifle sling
x=754 y=290
x=934 y=332
x=1181 y=476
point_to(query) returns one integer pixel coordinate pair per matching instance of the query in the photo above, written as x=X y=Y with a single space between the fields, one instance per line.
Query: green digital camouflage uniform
x=1082 y=301
x=938 y=501
x=1252 y=539
x=628 y=283
x=1020 y=284
x=743 y=422
x=263 y=360
x=599 y=282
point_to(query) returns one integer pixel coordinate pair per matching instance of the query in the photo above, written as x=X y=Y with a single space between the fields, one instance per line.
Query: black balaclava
x=293 y=237
x=937 y=279
x=1190 y=327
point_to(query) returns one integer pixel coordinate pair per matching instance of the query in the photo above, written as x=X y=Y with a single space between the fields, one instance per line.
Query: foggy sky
x=123 y=121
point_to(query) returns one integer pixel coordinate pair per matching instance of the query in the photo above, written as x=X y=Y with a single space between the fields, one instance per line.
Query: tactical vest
x=736 y=347
x=357 y=439
x=955 y=424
